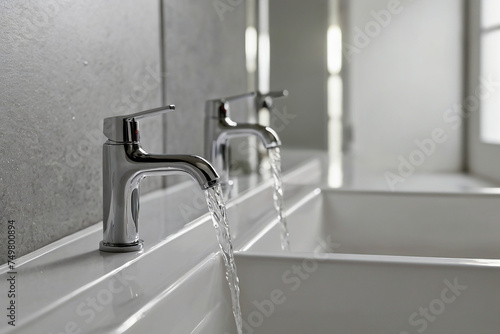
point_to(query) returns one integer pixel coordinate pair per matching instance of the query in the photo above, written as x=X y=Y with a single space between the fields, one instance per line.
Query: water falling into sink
x=275 y=161
x=217 y=209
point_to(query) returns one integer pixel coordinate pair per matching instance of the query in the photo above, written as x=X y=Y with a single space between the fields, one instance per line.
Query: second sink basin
x=383 y=223
x=353 y=294
x=331 y=293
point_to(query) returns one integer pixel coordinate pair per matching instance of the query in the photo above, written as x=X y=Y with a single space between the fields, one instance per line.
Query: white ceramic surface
x=354 y=294
x=384 y=223
x=176 y=285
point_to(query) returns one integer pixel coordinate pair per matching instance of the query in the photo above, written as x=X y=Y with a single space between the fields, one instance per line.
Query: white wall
x=402 y=82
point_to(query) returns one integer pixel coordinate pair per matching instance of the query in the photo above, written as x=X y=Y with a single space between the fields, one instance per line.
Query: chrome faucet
x=219 y=128
x=125 y=164
x=264 y=108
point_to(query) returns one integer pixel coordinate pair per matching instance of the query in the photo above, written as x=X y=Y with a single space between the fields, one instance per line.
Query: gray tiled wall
x=65 y=65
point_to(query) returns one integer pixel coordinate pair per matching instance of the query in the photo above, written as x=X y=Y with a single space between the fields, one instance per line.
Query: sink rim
x=370 y=259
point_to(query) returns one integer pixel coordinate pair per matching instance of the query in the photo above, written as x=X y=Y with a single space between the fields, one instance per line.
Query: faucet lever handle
x=275 y=94
x=239 y=97
x=266 y=100
x=149 y=113
x=124 y=128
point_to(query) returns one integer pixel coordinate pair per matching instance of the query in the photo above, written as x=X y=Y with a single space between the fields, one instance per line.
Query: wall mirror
x=389 y=82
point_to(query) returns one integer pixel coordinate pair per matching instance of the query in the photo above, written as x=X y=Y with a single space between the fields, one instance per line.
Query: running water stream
x=217 y=209
x=275 y=161
x=215 y=201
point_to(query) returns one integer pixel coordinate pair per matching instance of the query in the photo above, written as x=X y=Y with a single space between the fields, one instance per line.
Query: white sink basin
x=177 y=285
x=354 y=294
x=409 y=224
x=329 y=293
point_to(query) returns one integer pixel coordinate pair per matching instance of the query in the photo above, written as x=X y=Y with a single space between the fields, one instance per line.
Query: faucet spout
x=197 y=167
x=230 y=129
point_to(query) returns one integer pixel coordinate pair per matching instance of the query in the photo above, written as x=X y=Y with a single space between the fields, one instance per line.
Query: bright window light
x=490 y=70
x=251 y=49
x=334 y=43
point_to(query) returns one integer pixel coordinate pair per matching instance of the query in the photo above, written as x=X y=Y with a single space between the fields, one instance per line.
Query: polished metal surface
x=124 y=128
x=125 y=164
x=219 y=128
x=267 y=100
x=264 y=108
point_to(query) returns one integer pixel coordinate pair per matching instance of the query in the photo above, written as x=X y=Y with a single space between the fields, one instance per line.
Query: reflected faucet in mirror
x=265 y=102
x=219 y=128
x=264 y=109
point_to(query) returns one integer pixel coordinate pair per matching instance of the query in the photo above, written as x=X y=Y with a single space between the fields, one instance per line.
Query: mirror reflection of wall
x=405 y=70
x=383 y=79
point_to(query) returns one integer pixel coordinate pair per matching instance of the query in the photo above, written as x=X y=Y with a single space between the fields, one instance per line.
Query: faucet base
x=121 y=248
